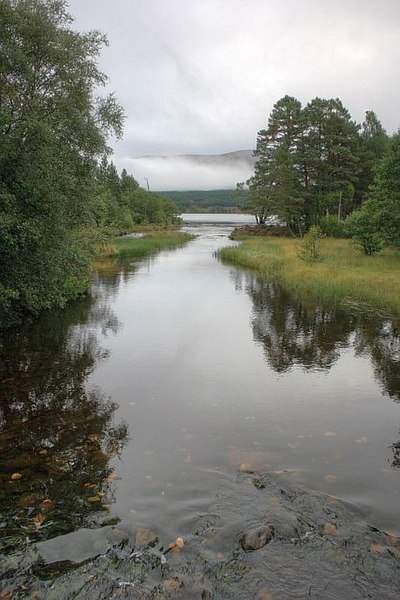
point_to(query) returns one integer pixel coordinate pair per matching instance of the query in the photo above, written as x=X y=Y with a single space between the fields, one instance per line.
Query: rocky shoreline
x=267 y=542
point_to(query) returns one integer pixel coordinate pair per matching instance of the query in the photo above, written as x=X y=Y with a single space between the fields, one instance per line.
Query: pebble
x=254 y=539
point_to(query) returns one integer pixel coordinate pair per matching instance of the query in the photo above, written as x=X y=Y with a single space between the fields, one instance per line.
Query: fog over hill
x=191 y=171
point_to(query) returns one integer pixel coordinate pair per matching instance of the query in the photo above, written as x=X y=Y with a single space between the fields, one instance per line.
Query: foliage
x=207 y=200
x=377 y=222
x=332 y=226
x=121 y=202
x=275 y=187
x=384 y=199
x=310 y=245
x=361 y=226
x=52 y=129
x=313 y=162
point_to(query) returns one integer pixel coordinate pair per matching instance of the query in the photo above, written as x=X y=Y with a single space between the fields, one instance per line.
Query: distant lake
x=223 y=218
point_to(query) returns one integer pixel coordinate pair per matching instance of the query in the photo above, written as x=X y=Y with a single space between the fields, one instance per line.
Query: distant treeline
x=212 y=201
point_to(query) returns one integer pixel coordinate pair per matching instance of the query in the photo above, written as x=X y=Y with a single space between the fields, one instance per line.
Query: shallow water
x=138 y=406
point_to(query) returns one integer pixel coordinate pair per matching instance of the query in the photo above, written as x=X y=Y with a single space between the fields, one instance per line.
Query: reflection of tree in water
x=381 y=340
x=312 y=337
x=56 y=436
x=291 y=333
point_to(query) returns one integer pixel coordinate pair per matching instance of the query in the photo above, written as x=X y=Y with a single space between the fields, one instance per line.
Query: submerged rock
x=322 y=548
x=256 y=538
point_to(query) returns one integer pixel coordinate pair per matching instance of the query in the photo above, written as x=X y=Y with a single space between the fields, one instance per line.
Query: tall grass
x=343 y=278
x=150 y=243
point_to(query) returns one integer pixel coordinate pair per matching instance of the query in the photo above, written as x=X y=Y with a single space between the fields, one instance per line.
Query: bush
x=361 y=227
x=310 y=245
x=331 y=226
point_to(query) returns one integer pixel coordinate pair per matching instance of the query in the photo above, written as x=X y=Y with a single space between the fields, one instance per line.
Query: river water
x=138 y=406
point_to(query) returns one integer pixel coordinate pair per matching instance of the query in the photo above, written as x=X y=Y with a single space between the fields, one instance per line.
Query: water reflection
x=293 y=334
x=381 y=339
x=56 y=436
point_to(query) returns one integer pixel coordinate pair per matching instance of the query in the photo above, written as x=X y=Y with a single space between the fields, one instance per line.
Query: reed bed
x=344 y=277
x=149 y=243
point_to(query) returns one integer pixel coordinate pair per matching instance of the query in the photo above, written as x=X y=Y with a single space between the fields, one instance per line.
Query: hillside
x=192 y=171
x=213 y=201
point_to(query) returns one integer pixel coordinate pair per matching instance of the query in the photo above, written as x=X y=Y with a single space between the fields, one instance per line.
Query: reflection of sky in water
x=195 y=382
x=212 y=368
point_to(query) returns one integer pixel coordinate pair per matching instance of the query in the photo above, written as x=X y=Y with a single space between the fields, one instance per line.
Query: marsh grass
x=152 y=242
x=344 y=277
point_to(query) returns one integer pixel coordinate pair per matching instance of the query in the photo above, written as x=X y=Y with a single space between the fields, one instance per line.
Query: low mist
x=191 y=172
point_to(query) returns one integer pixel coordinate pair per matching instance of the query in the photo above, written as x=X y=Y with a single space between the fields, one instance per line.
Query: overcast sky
x=201 y=76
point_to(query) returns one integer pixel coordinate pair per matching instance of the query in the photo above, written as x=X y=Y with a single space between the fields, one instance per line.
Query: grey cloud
x=201 y=76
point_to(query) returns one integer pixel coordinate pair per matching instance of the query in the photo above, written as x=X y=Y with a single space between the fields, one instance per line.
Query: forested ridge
x=213 y=201
x=315 y=166
x=59 y=193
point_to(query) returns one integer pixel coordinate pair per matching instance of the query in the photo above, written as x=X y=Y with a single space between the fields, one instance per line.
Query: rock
x=256 y=538
x=146 y=537
x=330 y=529
x=264 y=595
x=377 y=549
x=259 y=483
x=246 y=468
x=172 y=585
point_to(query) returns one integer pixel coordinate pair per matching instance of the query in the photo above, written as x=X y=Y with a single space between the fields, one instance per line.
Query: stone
x=330 y=529
x=256 y=538
x=246 y=468
x=146 y=537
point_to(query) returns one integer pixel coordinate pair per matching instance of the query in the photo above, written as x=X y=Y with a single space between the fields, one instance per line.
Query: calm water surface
x=139 y=406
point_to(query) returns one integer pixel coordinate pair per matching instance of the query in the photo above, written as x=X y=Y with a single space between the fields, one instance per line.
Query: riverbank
x=143 y=242
x=344 y=277
x=267 y=541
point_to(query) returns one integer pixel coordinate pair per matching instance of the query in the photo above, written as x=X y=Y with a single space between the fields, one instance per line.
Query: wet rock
x=246 y=468
x=264 y=595
x=172 y=585
x=330 y=529
x=256 y=538
x=259 y=483
x=377 y=549
x=146 y=537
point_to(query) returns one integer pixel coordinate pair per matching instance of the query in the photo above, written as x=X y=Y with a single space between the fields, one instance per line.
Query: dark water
x=137 y=407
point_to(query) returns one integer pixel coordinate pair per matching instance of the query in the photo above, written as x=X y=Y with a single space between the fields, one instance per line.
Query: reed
x=150 y=243
x=343 y=278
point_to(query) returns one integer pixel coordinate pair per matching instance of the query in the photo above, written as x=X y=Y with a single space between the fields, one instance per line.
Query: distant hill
x=238 y=156
x=213 y=201
x=192 y=171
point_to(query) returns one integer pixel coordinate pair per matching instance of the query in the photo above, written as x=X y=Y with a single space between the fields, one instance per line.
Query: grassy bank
x=343 y=278
x=145 y=243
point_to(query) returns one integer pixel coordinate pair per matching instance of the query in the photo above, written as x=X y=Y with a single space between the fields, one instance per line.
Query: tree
x=307 y=163
x=275 y=187
x=374 y=144
x=52 y=130
x=331 y=157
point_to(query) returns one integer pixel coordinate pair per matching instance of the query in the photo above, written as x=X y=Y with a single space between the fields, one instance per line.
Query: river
x=138 y=406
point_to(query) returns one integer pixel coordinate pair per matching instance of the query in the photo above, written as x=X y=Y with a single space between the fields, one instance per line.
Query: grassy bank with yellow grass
x=143 y=243
x=344 y=277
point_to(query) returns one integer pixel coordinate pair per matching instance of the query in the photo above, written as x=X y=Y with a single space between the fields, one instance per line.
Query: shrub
x=331 y=226
x=310 y=245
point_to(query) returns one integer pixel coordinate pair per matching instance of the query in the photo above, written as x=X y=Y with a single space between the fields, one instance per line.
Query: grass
x=343 y=278
x=153 y=241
